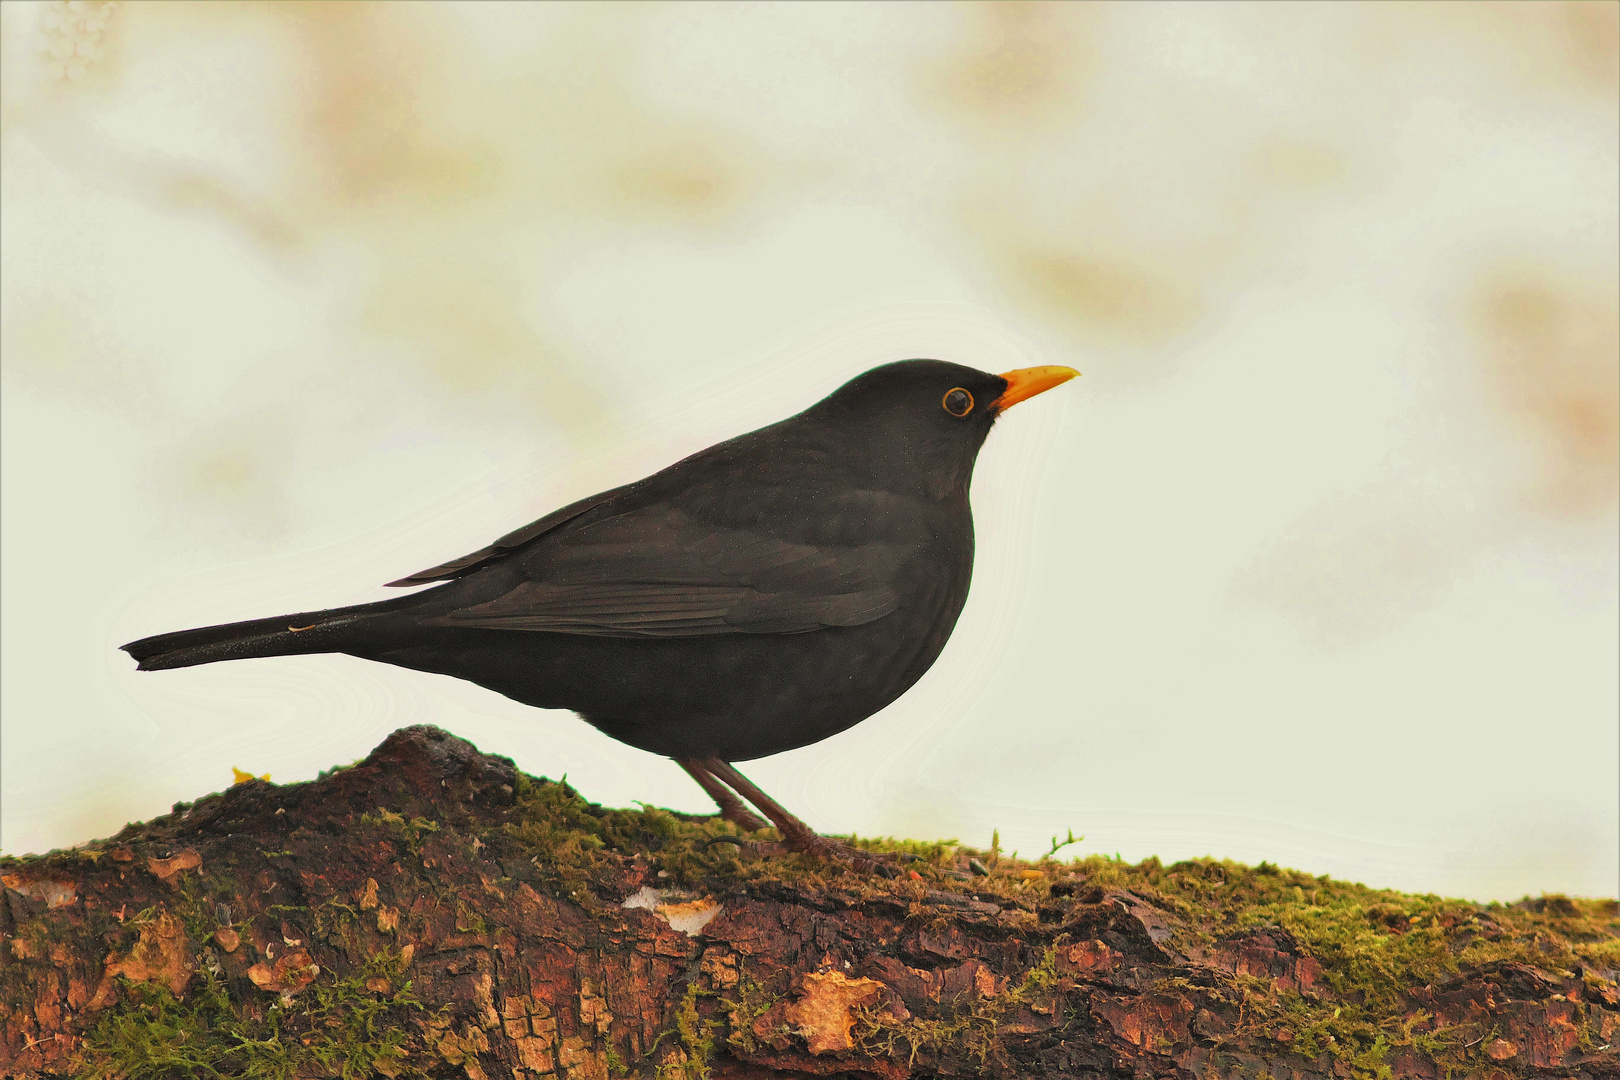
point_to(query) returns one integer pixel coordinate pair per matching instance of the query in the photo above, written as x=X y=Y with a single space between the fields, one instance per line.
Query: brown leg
x=796 y=835
x=795 y=832
x=731 y=807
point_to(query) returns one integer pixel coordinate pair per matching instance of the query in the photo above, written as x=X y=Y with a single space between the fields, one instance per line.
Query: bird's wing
x=481 y=558
x=659 y=572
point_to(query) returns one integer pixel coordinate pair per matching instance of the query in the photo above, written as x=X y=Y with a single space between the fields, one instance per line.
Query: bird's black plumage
x=757 y=596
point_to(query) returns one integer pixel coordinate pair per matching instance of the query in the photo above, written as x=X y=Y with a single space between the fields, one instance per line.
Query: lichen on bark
x=432 y=911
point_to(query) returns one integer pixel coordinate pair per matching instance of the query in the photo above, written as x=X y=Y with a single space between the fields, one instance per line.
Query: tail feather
x=284 y=635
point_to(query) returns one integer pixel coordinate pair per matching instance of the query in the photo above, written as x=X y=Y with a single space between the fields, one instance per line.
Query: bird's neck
x=912 y=468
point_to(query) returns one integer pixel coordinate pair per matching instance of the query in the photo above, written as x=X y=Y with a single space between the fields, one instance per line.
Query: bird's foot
x=859 y=859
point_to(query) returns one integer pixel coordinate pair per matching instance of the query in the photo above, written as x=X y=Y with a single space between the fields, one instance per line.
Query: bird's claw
x=858 y=859
x=739 y=841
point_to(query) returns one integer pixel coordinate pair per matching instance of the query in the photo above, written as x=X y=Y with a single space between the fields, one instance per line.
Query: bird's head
x=925 y=420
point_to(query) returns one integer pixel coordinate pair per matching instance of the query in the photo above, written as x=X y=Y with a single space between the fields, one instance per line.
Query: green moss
x=932 y=852
x=554 y=826
x=335 y=1028
x=1373 y=946
x=572 y=840
x=194 y=904
x=469 y=921
x=696 y=1035
x=751 y=1001
x=967 y=1028
x=407 y=831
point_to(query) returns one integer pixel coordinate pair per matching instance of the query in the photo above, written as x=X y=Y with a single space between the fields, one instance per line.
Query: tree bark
x=430 y=911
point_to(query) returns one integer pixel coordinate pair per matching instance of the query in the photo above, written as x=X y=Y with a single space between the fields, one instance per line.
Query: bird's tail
x=284 y=635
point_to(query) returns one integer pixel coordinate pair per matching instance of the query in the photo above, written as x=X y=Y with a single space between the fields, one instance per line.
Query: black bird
x=755 y=597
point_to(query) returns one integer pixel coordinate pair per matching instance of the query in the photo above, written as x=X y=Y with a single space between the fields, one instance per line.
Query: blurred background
x=1316 y=564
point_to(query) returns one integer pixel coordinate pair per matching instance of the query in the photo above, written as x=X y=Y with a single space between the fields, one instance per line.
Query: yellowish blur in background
x=1316 y=564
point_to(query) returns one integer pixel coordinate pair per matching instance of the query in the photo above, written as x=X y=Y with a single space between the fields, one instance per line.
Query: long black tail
x=284 y=635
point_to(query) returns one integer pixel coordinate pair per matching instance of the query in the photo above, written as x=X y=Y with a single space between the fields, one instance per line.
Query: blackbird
x=758 y=596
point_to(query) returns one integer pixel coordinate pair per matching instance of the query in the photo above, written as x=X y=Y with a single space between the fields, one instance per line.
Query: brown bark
x=430 y=911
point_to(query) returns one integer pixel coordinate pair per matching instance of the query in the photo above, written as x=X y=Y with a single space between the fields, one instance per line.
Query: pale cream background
x=1316 y=564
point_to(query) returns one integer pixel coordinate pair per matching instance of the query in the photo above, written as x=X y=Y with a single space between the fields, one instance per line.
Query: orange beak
x=1027 y=382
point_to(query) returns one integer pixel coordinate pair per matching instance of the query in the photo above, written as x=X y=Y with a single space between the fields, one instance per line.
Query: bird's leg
x=731 y=807
x=796 y=835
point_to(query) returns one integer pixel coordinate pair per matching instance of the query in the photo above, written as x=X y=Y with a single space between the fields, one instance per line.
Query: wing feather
x=504 y=546
x=659 y=572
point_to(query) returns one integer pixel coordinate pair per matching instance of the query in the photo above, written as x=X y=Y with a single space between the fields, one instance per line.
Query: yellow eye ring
x=957 y=401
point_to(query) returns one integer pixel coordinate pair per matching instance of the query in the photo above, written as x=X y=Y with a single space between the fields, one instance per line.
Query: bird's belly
x=745 y=696
x=734 y=696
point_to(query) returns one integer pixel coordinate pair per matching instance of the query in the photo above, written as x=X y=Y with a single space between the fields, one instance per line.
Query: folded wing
x=658 y=572
x=513 y=540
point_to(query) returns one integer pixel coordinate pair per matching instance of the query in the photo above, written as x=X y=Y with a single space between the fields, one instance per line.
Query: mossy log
x=431 y=911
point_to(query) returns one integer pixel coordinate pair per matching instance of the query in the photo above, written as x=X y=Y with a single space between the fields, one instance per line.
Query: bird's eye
x=958 y=402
